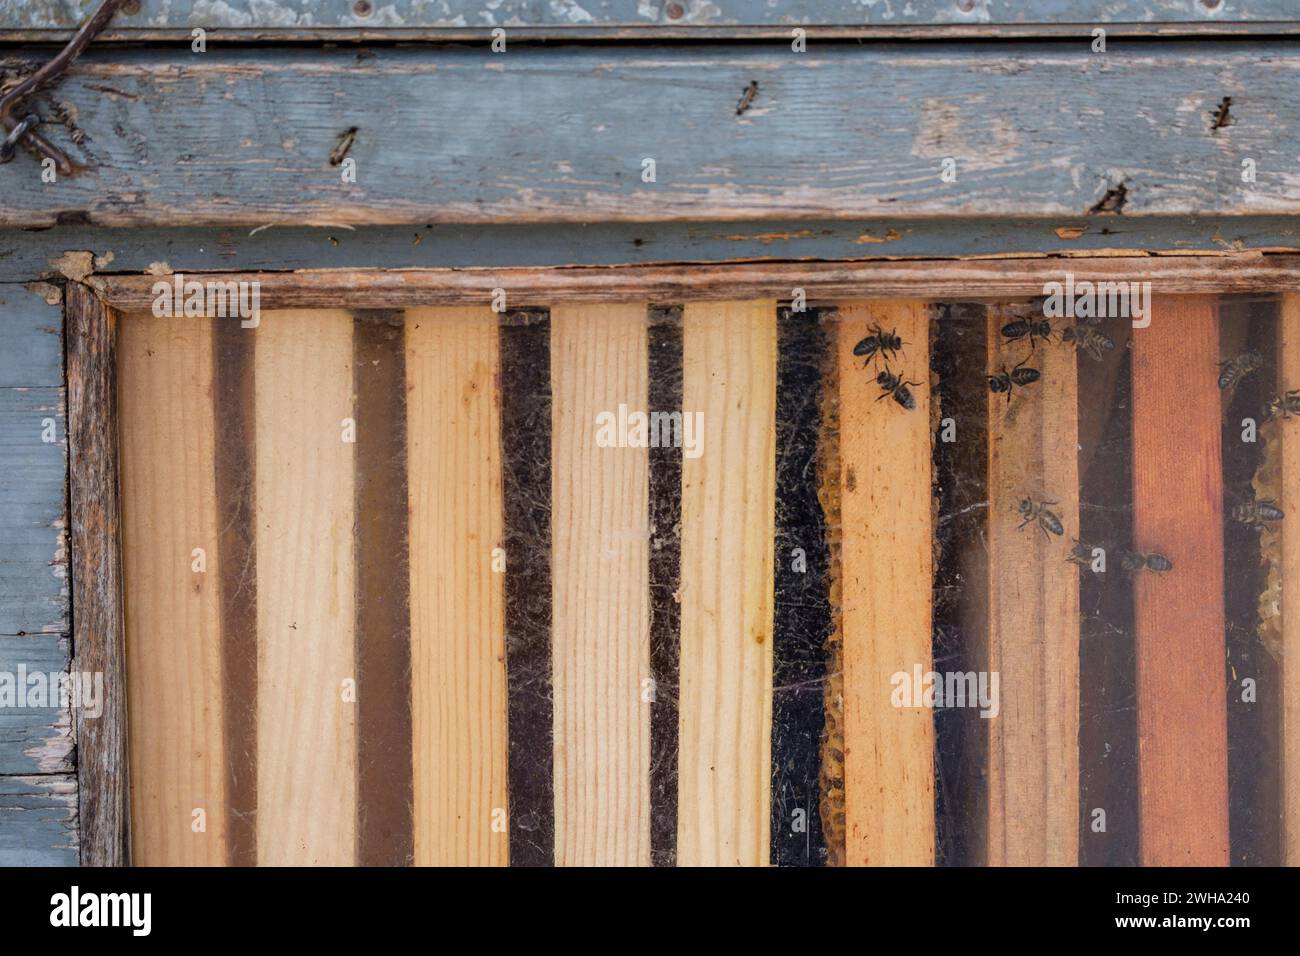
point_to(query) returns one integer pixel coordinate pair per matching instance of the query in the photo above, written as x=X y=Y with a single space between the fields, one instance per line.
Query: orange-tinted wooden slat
x=172 y=595
x=457 y=580
x=728 y=489
x=307 y=746
x=887 y=564
x=1033 y=637
x=1289 y=377
x=1178 y=511
x=599 y=574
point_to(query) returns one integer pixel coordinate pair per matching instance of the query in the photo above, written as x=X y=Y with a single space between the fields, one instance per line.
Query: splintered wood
x=887 y=561
x=1033 y=640
x=600 y=611
x=728 y=492
x=1289 y=376
x=1178 y=511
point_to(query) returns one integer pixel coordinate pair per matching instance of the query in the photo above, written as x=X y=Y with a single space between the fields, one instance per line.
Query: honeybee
x=1019 y=376
x=1028 y=328
x=1091 y=340
x=1137 y=560
x=892 y=385
x=1037 y=511
x=1257 y=513
x=1238 y=367
x=878 y=342
x=1288 y=405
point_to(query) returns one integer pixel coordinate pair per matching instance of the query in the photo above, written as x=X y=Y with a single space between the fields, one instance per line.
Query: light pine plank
x=887 y=566
x=1289 y=376
x=173 y=613
x=1033 y=609
x=457 y=598
x=729 y=374
x=600 y=583
x=305 y=599
x=1178 y=511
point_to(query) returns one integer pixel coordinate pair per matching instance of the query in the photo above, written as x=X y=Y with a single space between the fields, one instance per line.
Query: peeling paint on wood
x=559 y=134
x=38 y=821
x=32 y=354
x=33 y=543
x=35 y=740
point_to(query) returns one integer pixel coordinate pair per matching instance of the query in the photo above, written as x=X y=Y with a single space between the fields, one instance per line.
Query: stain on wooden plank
x=539 y=111
x=1289 y=376
x=1178 y=511
x=38 y=821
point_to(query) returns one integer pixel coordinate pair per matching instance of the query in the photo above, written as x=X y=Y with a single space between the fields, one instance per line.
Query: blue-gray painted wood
x=38 y=821
x=33 y=473
x=34 y=739
x=31 y=338
x=30 y=254
x=545 y=134
x=626 y=15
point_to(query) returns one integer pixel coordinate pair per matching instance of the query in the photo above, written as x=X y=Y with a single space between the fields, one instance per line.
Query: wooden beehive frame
x=93 y=428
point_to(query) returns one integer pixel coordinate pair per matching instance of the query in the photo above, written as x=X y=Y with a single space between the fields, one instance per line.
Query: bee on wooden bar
x=1287 y=405
x=892 y=385
x=879 y=342
x=1091 y=340
x=1028 y=328
x=1137 y=560
x=1235 y=369
x=1037 y=511
x=1005 y=381
x=1257 y=513
x=1080 y=554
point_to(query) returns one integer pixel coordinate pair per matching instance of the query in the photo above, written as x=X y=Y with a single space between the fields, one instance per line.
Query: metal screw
x=1210 y=4
x=131 y=7
x=363 y=8
x=965 y=6
x=675 y=10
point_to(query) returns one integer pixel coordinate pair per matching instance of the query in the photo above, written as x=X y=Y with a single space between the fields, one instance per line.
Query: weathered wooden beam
x=25 y=255
x=565 y=134
x=331 y=19
x=99 y=632
x=990 y=278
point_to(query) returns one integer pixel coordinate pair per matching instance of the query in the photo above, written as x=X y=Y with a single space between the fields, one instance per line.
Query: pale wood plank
x=458 y=668
x=600 y=567
x=887 y=566
x=173 y=613
x=1033 y=609
x=729 y=369
x=1178 y=511
x=305 y=585
x=1289 y=529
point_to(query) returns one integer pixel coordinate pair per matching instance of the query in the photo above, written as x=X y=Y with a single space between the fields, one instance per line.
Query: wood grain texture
x=167 y=426
x=306 y=753
x=1033 y=607
x=832 y=147
x=38 y=821
x=25 y=255
x=600 y=611
x=1178 y=511
x=993 y=278
x=1289 y=373
x=728 y=490
x=471 y=18
x=33 y=352
x=35 y=740
x=887 y=565
x=98 y=633
x=457 y=596
x=33 y=511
